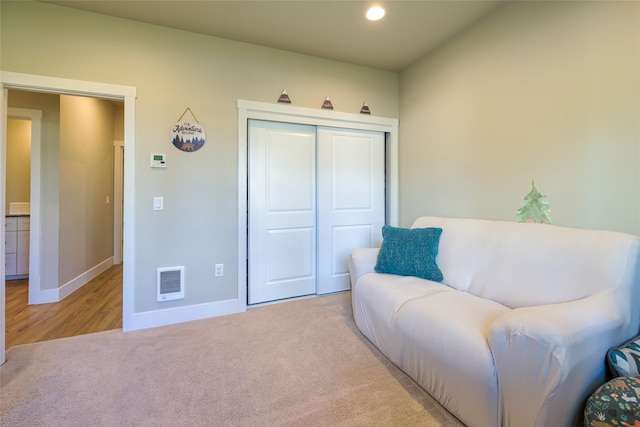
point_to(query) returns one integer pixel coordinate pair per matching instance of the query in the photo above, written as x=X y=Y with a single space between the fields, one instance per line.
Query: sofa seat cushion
x=390 y=292
x=379 y=297
x=445 y=350
x=437 y=335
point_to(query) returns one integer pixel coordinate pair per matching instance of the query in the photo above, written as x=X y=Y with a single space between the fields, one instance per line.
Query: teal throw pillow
x=410 y=252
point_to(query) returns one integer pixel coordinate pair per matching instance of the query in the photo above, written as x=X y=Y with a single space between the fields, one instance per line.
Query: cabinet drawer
x=11 y=242
x=10 y=265
x=23 y=223
x=10 y=224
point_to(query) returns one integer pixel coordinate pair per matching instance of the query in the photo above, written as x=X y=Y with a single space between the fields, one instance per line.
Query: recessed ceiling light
x=375 y=13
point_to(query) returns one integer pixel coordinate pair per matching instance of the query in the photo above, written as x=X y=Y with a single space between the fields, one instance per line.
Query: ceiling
x=331 y=29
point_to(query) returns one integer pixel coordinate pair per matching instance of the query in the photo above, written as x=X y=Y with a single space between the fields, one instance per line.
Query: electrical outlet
x=219 y=270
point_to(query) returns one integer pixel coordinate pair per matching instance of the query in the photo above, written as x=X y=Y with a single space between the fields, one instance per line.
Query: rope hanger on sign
x=191 y=112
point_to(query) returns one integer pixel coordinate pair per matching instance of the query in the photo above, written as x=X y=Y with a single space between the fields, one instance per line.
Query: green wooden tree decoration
x=534 y=209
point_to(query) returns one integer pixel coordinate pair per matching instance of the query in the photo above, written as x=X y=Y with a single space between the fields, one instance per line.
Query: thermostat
x=158 y=160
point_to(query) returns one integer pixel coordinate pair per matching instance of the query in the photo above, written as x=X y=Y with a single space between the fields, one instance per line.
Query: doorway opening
x=75 y=196
x=34 y=83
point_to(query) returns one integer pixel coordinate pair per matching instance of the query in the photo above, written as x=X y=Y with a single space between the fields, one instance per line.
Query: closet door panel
x=351 y=202
x=282 y=211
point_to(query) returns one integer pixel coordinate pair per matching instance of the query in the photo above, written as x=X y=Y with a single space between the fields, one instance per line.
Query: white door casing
x=118 y=190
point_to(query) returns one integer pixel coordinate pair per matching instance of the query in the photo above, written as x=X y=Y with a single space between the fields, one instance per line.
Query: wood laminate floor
x=95 y=307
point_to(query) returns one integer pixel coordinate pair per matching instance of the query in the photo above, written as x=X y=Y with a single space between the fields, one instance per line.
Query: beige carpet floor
x=299 y=363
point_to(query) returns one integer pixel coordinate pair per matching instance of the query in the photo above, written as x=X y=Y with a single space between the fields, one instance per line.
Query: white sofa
x=517 y=332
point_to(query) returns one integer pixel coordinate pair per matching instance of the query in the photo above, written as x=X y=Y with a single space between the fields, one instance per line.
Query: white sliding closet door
x=314 y=195
x=282 y=211
x=351 y=200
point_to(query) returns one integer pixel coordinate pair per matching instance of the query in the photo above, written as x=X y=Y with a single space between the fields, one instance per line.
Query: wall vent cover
x=170 y=283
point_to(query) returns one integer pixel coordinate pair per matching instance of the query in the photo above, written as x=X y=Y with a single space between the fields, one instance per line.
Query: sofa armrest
x=550 y=358
x=362 y=261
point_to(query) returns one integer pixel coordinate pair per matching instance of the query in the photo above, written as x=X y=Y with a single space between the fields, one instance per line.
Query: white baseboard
x=75 y=284
x=151 y=319
x=45 y=296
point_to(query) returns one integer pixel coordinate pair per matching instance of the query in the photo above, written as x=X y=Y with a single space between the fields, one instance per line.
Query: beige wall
x=86 y=180
x=18 y=161
x=544 y=91
x=173 y=70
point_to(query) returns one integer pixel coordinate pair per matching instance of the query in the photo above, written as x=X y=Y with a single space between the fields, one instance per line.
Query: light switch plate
x=158 y=203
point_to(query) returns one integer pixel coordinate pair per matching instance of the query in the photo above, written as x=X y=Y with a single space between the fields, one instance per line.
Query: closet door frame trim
x=248 y=110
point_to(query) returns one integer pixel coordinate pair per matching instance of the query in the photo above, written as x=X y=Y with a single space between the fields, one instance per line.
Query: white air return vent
x=170 y=283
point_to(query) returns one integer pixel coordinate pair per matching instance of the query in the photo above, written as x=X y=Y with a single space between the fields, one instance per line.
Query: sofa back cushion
x=528 y=264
